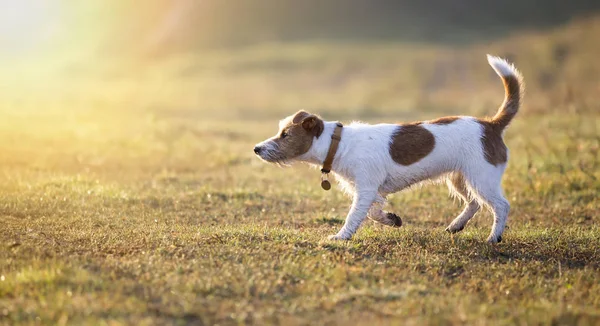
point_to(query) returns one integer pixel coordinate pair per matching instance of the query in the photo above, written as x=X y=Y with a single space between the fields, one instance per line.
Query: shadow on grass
x=330 y=221
x=569 y=249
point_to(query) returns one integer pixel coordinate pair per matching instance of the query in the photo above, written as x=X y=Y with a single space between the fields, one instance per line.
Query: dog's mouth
x=270 y=153
x=273 y=157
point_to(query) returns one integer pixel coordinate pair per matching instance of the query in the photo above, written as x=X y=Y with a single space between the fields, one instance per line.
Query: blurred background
x=87 y=79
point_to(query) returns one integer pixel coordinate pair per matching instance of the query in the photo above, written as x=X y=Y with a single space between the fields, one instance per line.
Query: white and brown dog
x=372 y=161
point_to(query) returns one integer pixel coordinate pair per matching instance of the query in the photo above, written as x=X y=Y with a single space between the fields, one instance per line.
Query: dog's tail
x=514 y=88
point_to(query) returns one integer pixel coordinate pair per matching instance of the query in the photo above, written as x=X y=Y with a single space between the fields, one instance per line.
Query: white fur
x=502 y=67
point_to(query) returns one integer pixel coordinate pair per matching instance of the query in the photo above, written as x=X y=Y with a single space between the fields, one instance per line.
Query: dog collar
x=336 y=137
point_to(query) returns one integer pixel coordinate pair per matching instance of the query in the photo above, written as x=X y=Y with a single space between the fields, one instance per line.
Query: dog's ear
x=313 y=124
x=299 y=116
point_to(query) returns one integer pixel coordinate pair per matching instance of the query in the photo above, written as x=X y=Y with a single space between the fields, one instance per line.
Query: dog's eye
x=283 y=134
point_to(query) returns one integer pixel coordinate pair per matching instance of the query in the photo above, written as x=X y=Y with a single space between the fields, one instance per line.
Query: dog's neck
x=320 y=146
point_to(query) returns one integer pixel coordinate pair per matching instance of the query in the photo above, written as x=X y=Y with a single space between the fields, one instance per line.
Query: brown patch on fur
x=411 y=143
x=310 y=122
x=414 y=123
x=494 y=149
x=443 y=120
x=300 y=131
x=512 y=99
x=299 y=116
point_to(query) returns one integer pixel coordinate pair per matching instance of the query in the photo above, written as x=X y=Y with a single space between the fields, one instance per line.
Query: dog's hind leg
x=377 y=214
x=486 y=186
x=458 y=187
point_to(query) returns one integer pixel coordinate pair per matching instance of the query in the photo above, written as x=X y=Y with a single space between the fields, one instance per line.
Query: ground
x=136 y=198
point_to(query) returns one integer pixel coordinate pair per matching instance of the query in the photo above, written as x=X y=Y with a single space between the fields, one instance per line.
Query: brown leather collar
x=336 y=137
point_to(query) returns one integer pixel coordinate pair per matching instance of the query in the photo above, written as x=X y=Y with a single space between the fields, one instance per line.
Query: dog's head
x=294 y=138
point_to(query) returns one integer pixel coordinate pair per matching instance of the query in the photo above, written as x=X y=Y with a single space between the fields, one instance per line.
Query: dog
x=373 y=161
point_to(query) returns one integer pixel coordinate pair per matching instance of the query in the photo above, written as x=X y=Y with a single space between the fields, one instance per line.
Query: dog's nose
x=257 y=149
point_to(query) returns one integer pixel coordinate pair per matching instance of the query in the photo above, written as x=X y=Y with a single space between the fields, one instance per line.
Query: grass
x=134 y=197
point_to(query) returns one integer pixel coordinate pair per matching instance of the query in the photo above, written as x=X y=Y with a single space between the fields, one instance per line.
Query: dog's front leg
x=362 y=201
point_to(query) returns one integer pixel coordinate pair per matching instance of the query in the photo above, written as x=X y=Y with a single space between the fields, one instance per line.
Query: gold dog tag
x=325 y=184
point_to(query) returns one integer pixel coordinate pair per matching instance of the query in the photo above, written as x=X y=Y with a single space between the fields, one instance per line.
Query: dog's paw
x=454 y=229
x=395 y=219
x=337 y=237
x=493 y=240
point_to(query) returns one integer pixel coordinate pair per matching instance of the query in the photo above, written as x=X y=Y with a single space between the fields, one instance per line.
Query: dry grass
x=135 y=197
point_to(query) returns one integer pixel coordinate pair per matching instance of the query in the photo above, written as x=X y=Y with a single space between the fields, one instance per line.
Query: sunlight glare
x=26 y=24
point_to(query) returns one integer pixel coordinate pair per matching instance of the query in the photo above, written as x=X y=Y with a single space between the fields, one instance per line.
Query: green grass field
x=134 y=197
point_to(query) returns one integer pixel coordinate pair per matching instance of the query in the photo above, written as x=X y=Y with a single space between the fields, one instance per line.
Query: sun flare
x=26 y=24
